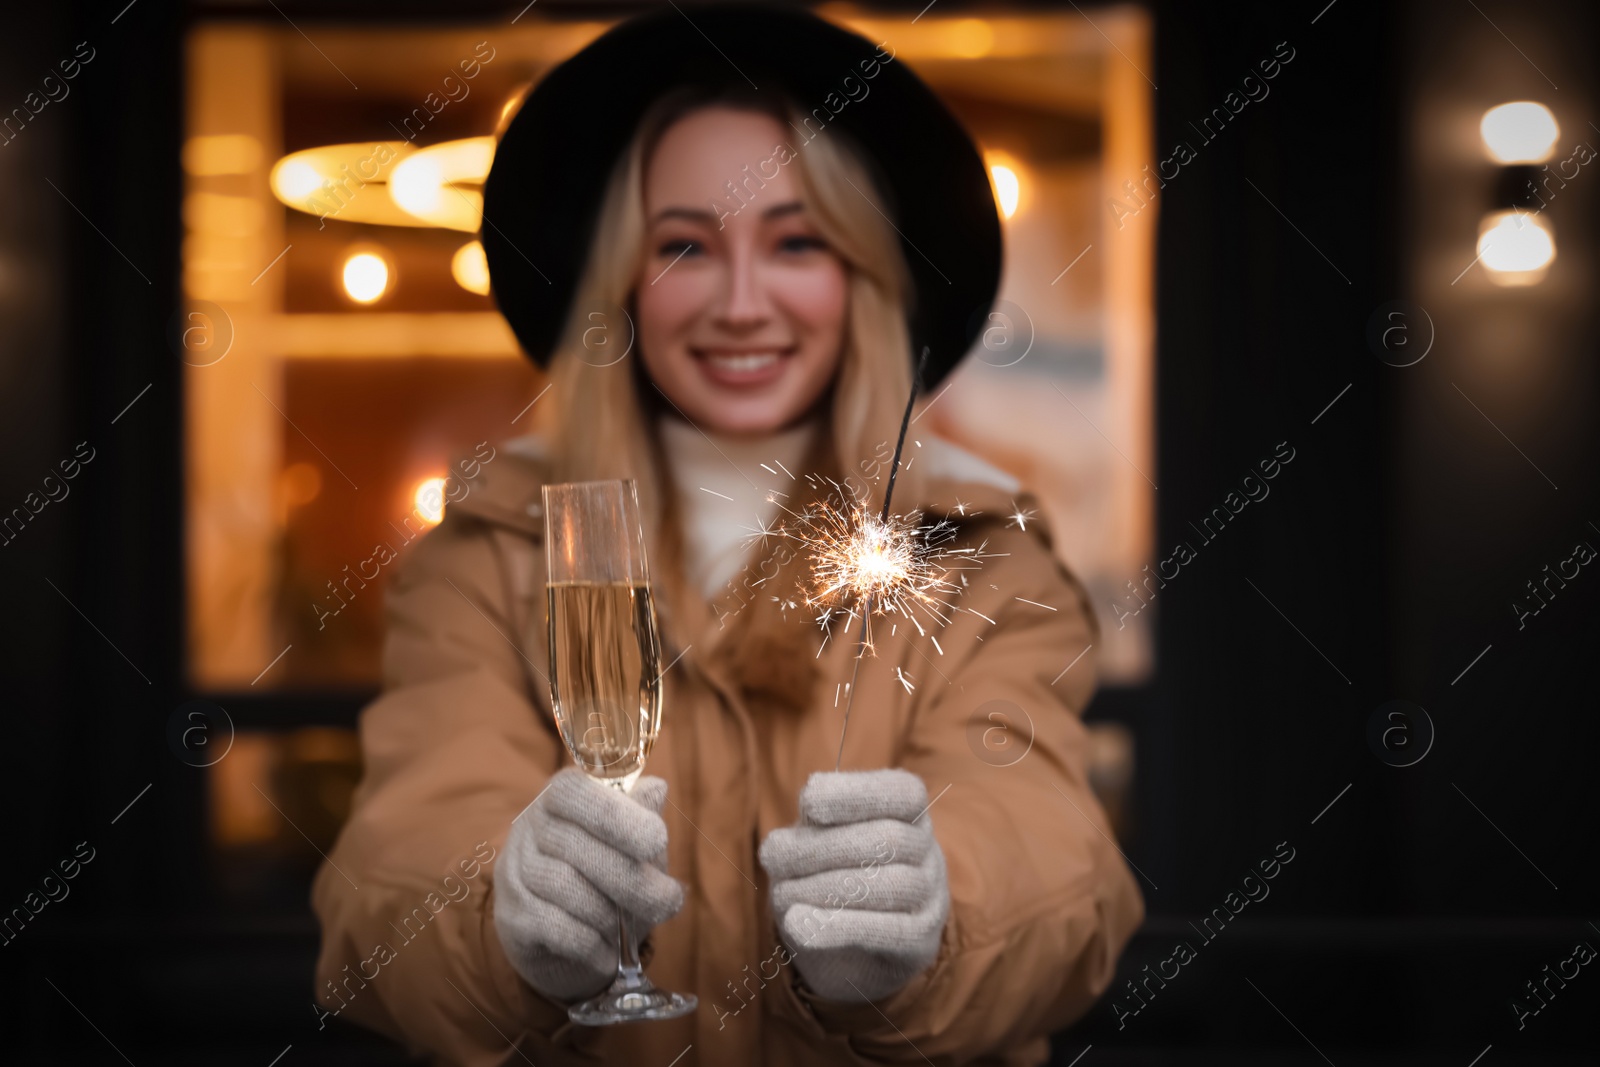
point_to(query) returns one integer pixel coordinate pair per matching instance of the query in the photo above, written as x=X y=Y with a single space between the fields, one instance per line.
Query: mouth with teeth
x=742 y=367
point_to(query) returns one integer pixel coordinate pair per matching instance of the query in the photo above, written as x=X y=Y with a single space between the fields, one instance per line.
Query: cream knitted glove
x=859 y=886
x=573 y=855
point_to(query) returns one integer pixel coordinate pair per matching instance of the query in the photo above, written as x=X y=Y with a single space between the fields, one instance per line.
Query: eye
x=679 y=246
x=801 y=243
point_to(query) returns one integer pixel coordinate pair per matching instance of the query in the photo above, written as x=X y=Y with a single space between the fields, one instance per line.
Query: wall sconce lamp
x=1515 y=243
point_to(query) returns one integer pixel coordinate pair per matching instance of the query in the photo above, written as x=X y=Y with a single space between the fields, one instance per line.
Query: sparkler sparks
x=871 y=565
x=888 y=564
x=1020 y=516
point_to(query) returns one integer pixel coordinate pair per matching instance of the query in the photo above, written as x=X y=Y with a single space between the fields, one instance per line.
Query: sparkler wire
x=888 y=495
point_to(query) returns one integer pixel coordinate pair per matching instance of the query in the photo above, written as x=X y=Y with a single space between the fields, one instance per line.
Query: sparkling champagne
x=605 y=674
x=605 y=683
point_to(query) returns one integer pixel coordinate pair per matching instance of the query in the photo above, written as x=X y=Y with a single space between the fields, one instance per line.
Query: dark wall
x=93 y=581
x=1276 y=242
x=1499 y=440
x=1383 y=562
x=34 y=431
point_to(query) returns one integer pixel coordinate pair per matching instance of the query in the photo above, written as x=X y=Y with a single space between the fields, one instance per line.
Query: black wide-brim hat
x=542 y=197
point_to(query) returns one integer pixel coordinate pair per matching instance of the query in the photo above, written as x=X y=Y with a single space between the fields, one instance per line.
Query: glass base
x=630 y=1005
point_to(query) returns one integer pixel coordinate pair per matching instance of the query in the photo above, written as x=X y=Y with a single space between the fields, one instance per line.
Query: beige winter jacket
x=462 y=739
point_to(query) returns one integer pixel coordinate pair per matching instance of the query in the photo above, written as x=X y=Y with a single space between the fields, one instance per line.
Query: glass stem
x=630 y=974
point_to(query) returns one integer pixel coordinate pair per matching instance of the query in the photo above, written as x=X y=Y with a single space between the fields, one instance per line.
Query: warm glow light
x=222 y=215
x=429 y=498
x=417 y=185
x=970 y=38
x=470 y=268
x=300 y=483
x=343 y=181
x=366 y=277
x=427 y=184
x=1006 y=187
x=223 y=153
x=1519 y=132
x=295 y=180
x=1005 y=176
x=511 y=105
x=1516 y=248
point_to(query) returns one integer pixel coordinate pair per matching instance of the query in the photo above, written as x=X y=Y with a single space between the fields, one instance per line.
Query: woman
x=727 y=288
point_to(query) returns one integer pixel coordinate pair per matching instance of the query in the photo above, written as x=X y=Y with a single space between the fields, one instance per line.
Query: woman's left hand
x=859 y=887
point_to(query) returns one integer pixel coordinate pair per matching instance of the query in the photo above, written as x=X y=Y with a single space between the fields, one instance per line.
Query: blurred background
x=1296 y=345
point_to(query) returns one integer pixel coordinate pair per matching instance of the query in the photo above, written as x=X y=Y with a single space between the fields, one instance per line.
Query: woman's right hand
x=573 y=856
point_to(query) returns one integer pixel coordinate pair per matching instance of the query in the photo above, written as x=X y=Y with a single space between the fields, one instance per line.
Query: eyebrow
x=790 y=207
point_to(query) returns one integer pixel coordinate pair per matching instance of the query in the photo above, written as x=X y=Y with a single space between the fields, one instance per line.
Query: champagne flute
x=605 y=683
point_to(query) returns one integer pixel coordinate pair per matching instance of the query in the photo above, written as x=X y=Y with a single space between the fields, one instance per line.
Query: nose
x=744 y=303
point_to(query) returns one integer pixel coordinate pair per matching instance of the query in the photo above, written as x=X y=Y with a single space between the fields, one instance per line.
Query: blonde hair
x=601 y=423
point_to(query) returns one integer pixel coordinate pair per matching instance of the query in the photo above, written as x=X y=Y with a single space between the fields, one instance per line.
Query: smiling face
x=741 y=317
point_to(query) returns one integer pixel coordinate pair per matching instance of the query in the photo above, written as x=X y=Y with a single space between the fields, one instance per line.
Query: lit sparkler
x=880 y=564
